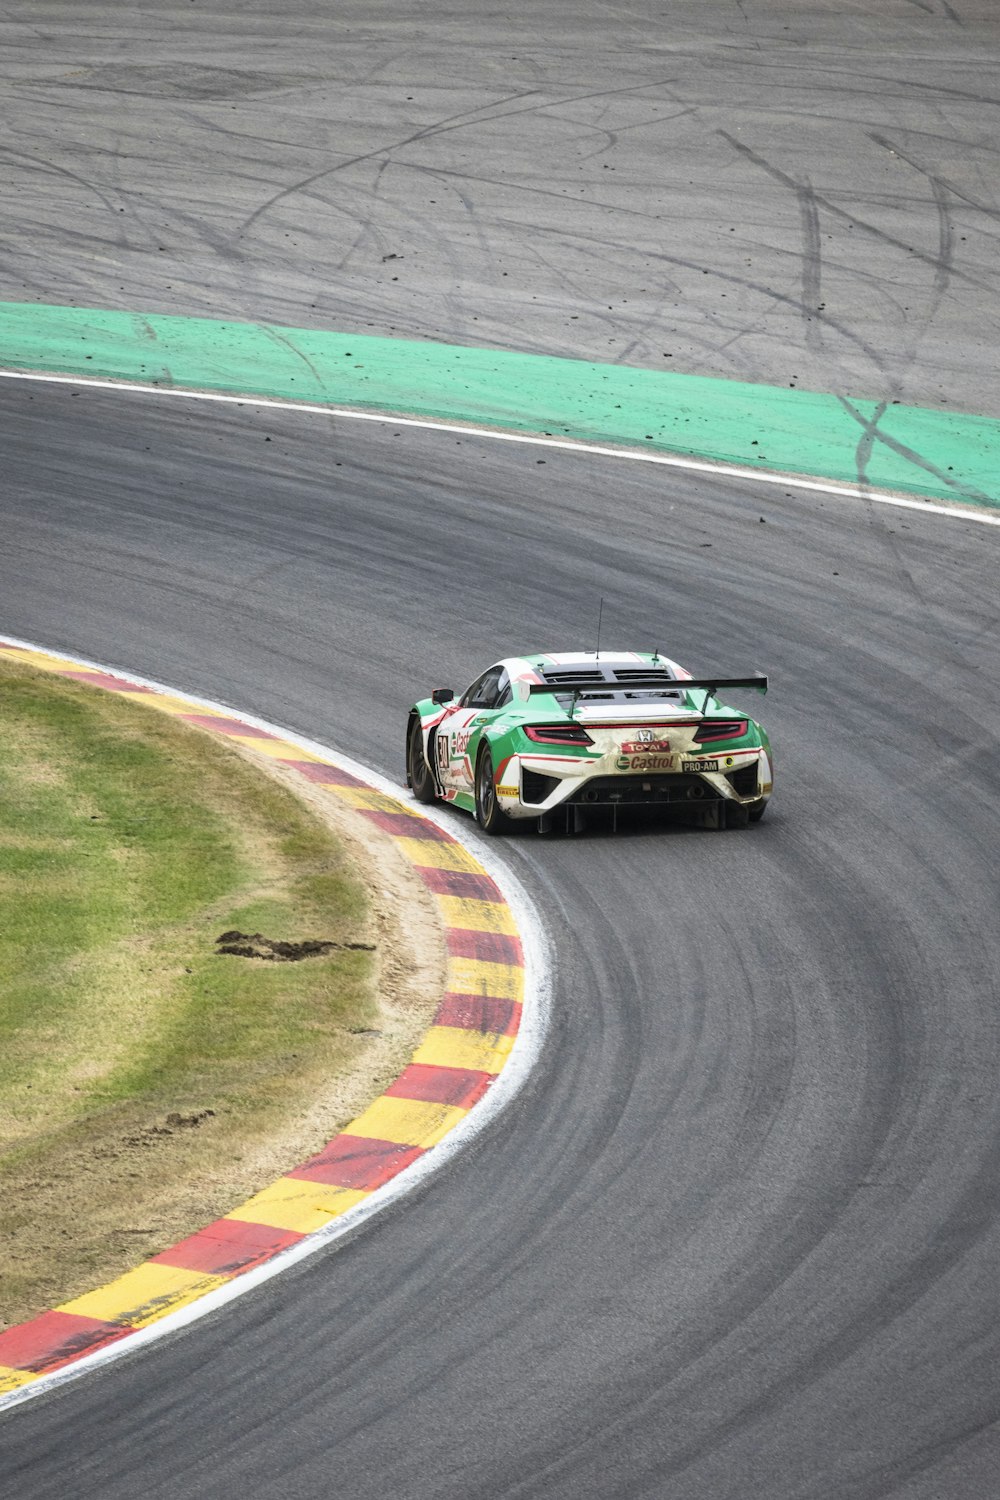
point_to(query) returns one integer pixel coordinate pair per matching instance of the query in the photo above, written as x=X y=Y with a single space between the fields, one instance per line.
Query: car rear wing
x=582 y=687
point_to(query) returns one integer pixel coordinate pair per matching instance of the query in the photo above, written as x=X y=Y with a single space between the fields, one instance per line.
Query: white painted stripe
x=958 y=512
x=522 y=1058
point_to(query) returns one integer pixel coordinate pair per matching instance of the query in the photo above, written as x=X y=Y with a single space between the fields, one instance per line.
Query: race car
x=548 y=735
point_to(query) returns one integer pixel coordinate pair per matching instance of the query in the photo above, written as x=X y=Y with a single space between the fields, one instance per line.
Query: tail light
x=721 y=729
x=557 y=734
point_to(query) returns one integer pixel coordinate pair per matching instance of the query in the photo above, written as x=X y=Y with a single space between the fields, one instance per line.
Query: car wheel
x=488 y=812
x=417 y=770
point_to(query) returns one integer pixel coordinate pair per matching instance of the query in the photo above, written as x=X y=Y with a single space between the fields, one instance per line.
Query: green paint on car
x=548 y=737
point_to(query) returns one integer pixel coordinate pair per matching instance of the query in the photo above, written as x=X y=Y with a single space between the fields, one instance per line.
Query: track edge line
x=958 y=511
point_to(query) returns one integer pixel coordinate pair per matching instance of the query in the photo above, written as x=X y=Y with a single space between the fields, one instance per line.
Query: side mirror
x=442 y=695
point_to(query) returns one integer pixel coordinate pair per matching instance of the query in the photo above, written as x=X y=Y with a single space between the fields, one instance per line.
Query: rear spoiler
x=709 y=685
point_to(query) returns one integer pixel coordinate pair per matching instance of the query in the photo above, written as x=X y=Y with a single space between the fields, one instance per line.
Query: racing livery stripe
x=453 y=1068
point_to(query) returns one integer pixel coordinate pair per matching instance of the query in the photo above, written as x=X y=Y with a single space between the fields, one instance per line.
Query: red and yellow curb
x=458 y=1060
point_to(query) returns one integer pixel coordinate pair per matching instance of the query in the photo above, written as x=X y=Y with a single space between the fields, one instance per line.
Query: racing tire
x=489 y=814
x=418 y=772
x=756 y=810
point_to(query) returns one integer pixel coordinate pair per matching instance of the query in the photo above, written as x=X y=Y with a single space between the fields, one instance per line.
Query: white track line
x=522 y=1058
x=958 y=512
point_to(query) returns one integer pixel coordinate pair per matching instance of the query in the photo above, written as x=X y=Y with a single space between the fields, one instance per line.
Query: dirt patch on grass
x=278 y=950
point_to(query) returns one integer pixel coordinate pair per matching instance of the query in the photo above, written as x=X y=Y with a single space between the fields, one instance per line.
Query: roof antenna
x=600 y=613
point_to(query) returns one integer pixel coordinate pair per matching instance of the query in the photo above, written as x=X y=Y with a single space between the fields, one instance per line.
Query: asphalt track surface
x=741 y=1234
x=786 y=191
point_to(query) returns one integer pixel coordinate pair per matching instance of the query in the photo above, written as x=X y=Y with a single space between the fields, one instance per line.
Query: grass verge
x=148 y=1082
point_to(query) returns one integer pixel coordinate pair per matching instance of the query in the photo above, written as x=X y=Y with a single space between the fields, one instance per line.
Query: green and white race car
x=546 y=736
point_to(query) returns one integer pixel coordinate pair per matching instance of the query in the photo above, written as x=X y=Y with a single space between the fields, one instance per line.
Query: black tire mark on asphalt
x=957 y=191
x=812 y=265
x=946 y=241
x=444 y=126
x=39 y=163
x=944 y=271
x=929 y=9
x=841 y=213
x=886 y=85
x=579 y=238
x=871 y=433
x=863 y=452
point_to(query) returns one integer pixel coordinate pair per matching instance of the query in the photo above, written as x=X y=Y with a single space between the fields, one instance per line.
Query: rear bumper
x=624 y=791
x=532 y=792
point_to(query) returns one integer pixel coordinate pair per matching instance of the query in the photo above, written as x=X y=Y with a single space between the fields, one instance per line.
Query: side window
x=471 y=695
x=503 y=691
x=483 y=692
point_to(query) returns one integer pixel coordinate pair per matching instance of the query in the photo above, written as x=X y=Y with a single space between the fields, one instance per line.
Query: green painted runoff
x=935 y=454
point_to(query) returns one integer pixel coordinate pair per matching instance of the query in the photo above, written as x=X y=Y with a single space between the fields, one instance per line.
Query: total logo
x=645 y=742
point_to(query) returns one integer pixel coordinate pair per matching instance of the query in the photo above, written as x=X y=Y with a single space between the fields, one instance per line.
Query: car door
x=458 y=733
